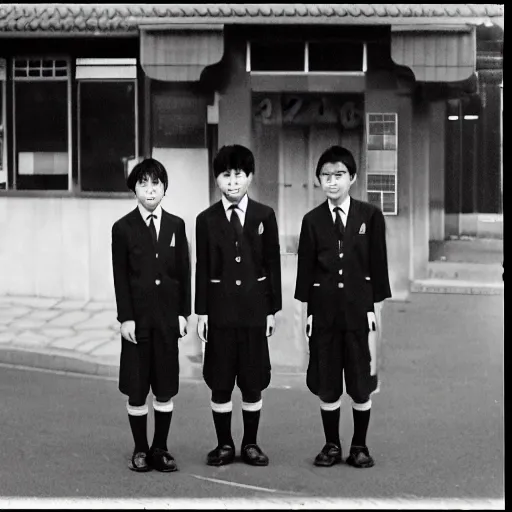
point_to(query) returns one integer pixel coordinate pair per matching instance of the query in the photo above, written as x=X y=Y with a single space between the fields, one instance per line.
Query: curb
x=456 y=287
x=83 y=365
x=49 y=360
x=58 y=361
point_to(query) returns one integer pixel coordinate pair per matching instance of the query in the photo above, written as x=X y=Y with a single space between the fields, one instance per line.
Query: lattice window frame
x=382 y=194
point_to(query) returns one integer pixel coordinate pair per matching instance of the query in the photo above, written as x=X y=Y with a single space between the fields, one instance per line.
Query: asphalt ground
x=436 y=433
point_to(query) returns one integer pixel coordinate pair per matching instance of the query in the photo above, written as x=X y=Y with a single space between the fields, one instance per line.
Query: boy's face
x=233 y=184
x=149 y=192
x=335 y=181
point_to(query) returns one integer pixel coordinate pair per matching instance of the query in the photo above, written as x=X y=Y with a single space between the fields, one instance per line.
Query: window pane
x=3 y=170
x=382 y=182
x=107 y=134
x=389 y=203
x=41 y=127
x=378 y=54
x=375 y=198
x=179 y=116
x=277 y=56
x=335 y=56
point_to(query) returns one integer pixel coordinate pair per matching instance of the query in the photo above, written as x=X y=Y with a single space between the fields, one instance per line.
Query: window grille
x=382 y=169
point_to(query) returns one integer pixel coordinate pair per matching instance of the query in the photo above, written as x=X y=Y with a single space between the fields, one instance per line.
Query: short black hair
x=233 y=157
x=148 y=168
x=337 y=154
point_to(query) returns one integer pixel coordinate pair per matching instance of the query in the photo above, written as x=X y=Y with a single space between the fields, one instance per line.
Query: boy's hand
x=377 y=306
x=128 y=331
x=372 y=321
x=309 y=326
x=202 y=327
x=271 y=325
x=183 y=326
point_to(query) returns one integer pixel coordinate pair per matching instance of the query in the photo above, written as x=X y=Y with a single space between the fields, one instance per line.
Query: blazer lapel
x=250 y=224
x=352 y=218
x=166 y=233
x=327 y=219
x=139 y=226
x=222 y=222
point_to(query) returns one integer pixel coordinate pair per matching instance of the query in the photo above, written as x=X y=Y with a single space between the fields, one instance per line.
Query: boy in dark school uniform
x=342 y=275
x=238 y=292
x=152 y=284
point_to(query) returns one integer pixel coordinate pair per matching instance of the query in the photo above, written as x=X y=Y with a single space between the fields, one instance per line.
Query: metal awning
x=180 y=52
x=435 y=53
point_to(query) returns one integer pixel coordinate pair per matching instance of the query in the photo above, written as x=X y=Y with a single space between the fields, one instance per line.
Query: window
x=3 y=155
x=179 y=115
x=343 y=56
x=346 y=57
x=107 y=122
x=382 y=161
x=283 y=56
x=74 y=123
x=41 y=124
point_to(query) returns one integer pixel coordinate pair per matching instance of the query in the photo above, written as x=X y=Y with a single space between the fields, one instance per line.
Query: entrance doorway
x=290 y=134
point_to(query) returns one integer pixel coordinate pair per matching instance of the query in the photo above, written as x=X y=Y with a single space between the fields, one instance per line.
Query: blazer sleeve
x=305 y=261
x=201 y=305
x=185 y=299
x=120 y=268
x=273 y=262
x=378 y=258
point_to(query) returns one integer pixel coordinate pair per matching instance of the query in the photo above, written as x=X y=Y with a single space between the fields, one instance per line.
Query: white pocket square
x=261 y=228
x=173 y=241
x=362 y=229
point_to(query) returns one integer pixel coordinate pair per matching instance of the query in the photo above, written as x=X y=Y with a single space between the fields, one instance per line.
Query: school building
x=414 y=90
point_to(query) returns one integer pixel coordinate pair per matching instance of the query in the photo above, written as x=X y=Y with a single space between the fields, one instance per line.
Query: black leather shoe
x=330 y=455
x=162 y=460
x=221 y=455
x=360 y=457
x=253 y=455
x=139 y=462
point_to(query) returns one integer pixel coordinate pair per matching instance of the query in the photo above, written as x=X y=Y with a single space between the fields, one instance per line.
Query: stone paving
x=68 y=334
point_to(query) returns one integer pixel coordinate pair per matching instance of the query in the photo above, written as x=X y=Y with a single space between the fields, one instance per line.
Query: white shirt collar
x=145 y=213
x=242 y=205
x=345 y=205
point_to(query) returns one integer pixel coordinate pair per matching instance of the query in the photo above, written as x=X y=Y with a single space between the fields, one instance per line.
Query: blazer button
x=340 y=271
x=340 y=285
x=238 y=259
x=341 y=255
x=157 y=282
x=157 y=255
x=238 y=282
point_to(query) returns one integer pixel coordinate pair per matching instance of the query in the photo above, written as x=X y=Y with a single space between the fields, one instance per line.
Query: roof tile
x=125 y=17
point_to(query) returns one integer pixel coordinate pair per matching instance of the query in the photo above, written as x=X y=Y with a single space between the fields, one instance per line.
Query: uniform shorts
x=237 y=354
x=152 y=363
x=334 y=352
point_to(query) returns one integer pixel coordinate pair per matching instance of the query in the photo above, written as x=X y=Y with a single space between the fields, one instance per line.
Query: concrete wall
x=58 y=247
x=61 y=247
x=436 y=171
x=382 y=97
x=419 y=191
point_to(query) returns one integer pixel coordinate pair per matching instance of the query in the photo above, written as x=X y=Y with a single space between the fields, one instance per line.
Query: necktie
x=152 y=228
x=338 y=223
x=235 y=222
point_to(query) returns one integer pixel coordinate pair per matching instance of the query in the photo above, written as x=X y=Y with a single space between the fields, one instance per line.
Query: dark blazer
x=237 y=288
x=359 y=278
x=151 y=283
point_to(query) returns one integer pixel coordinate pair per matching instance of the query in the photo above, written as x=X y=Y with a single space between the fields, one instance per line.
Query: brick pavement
x=72 y=335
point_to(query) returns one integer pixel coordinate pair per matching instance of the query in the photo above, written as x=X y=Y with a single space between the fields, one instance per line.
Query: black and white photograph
x=252 y=256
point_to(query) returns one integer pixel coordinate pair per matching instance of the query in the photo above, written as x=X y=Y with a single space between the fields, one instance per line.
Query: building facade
x=88 y=90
